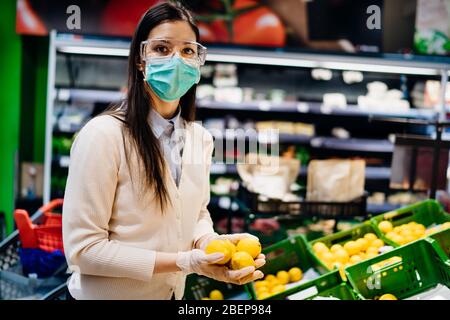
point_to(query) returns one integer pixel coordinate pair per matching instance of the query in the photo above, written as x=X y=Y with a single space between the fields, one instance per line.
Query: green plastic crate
x=420 y=268
x=425 y=212
x=441 y=242
x=288 y=253
x=341 y=238
x=198 y=287
x=328 y=285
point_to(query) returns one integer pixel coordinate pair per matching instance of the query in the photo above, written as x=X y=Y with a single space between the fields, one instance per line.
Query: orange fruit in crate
x=370 y=236
x=283 y=277
x=216 y=295
x=363 y=244
x=351 y=247
x=336 y=247
x=319 y=247
x=341 y=256
x=385 y=226
x=295 y=274
x=378 y=243
x=388 y=296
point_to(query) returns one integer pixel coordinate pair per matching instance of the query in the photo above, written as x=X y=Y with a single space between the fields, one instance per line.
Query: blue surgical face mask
x=170 y=78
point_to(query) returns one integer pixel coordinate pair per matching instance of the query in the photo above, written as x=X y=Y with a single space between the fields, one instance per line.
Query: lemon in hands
x=241 y=260
x=249 y=245
x=219 y=246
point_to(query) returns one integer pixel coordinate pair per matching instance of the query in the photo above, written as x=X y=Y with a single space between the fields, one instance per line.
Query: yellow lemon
x=219 y=246
x=261 y=290
x=355 y=259
x=249 y=245
x=385 y=226
x=351 y=247
x=320 y=247
x=409 y=238
x=260 y=284
x=391 y=234
x=372 y=250
x=270 y=277
x=388 y=296
x=273 y=283
x=263 y=295
x=406 y=233
x=377 y=243
x=277 y=289
x=397 y=238
x=295 y=274
x=328 y=257
x=336 y=247
x=370 y=236
x=363 y=244
x=216 y=295
x=341 y=256
x=241 y=260
x=283 y=277
x=231 y=246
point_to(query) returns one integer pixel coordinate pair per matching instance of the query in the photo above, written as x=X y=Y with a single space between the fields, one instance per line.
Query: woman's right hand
x=197 y=261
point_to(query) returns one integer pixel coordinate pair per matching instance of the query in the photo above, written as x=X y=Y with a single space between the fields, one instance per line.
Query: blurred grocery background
x=360 y=99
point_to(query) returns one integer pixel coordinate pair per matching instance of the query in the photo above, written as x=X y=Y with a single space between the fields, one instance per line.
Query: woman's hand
x=197 y=261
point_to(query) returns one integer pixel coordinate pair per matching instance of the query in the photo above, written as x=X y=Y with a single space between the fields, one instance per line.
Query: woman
x=135 y=218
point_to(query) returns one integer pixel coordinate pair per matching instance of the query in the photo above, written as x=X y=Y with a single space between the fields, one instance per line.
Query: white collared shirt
x=170 y=133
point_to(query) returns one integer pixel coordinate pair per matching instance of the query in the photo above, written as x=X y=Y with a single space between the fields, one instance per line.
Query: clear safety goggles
x=156 y=49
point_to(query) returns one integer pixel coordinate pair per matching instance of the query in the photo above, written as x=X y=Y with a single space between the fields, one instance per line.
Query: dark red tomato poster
x=317 y=25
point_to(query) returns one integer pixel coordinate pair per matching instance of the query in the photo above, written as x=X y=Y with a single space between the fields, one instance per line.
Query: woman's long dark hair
x=138 y=101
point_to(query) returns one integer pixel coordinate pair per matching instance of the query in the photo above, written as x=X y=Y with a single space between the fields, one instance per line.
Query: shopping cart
x=45 y=232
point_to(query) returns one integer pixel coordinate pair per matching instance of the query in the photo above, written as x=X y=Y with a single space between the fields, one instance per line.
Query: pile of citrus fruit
x=273 y=284
x=238 y=256
x=340 y=256
x=387 y=296
x=214 y=295
x=408 y=232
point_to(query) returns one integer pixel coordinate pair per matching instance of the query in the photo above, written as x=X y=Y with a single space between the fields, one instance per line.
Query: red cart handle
x=51 y=205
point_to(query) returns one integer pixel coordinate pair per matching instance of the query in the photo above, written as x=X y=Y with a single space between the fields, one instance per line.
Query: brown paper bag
x=335 y=180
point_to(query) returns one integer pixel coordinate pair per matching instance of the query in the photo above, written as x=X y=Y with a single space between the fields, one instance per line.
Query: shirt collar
x=160 y=124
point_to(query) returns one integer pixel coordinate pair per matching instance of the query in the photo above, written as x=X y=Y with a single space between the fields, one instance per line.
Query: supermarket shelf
x=89 y=95
x=372 y=173
x=253 y=136
x=353 y=144
x=312 y=108
x=107 y=96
